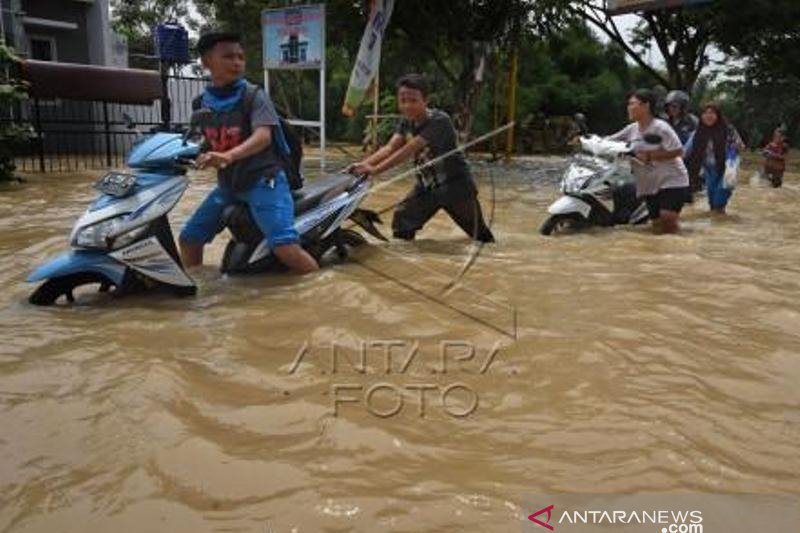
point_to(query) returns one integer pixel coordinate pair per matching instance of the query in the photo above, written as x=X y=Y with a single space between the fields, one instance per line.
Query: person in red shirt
x=775 y=158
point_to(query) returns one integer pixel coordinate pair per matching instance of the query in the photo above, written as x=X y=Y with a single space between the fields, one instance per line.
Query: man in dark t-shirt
x=426 y=135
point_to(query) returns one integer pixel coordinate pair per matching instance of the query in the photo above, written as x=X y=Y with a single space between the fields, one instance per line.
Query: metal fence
x=73 y=135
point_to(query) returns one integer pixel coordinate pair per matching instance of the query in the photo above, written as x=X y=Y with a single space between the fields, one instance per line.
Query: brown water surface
x=641 y=363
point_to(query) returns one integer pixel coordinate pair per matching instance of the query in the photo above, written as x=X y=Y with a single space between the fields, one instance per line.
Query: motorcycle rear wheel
x=342 y=241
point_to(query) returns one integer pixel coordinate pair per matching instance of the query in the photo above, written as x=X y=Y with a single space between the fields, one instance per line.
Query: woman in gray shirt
x=661 y=177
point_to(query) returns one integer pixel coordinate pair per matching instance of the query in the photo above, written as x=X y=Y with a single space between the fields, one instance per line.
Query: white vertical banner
x=369 y=56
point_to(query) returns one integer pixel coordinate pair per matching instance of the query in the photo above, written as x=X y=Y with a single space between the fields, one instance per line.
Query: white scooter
x=598 y=188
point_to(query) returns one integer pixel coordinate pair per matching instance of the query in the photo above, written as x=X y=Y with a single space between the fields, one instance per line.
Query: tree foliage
x=449 y=38
x=683 y=36
x=762 y=89
x=564 y=66
x=763 y=32
x=12 y=92
x=136 y=20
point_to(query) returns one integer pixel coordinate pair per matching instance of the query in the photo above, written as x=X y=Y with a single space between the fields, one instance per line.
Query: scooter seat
x=237 y=218
x=313 y=193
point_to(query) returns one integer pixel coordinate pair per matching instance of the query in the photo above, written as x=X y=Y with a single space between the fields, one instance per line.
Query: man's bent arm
x=406 y=152
x=395 y=143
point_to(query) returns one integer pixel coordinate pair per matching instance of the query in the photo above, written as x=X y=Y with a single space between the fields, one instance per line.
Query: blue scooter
x=124 y=242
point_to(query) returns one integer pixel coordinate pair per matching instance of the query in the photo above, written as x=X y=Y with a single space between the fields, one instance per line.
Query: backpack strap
x=249 y=97
x=280 y=137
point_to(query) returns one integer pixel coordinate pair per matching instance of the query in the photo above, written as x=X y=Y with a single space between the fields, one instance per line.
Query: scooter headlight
x=129 y=237
x=96 y=235
x=577 y=182
x=581 y=172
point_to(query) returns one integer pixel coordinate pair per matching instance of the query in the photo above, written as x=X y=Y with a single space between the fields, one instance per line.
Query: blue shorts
x=271 y=206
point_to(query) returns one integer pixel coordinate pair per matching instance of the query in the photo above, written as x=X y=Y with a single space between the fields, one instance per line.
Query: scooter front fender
x=569 y=204
x=76 y=261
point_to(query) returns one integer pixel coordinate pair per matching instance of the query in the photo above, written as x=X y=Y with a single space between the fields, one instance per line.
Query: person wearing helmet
x=676 y=109
x=677 y=114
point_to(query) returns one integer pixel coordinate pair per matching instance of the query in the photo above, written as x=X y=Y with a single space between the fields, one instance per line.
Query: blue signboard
x=294 y=37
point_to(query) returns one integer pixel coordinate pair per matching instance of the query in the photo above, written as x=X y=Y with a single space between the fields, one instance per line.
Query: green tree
x=571 y=71
x=765 y=32
x=12 y=92
x=136 y=20
x=446 y=40
x=564 y=68
x=684 y=37
x=456 y=40
x=762 y=88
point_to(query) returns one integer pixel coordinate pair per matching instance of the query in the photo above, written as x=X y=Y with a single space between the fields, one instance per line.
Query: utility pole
x=512 y=103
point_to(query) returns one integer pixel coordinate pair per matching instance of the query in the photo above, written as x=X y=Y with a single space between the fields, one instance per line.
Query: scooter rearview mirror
x=200 y=114
x=652 y=138
x=194 y=122
x=580 y=121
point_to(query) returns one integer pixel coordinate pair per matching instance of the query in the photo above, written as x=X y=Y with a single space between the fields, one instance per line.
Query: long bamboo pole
x=512 y=103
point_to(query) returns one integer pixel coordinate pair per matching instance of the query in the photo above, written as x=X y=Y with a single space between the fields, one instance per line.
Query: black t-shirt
x=441 y=137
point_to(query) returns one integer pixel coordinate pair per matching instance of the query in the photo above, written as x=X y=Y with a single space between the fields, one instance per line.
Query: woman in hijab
x=707 y=151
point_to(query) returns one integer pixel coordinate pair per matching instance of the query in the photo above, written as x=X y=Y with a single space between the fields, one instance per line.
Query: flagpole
x=375 y=106
x=375 y=90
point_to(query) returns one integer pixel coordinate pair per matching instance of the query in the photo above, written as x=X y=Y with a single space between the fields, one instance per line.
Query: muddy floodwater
x=424 y=386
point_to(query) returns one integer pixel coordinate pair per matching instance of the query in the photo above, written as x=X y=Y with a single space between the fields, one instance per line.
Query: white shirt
x=657 y=175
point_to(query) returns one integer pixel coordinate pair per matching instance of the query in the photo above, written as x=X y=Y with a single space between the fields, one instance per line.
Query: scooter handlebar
x=632 y=157
x=349 y=170
x=188 y=161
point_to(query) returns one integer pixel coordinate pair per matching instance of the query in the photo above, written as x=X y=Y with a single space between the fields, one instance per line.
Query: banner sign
x=369 y=56
x=618 y=7
x=294 y=37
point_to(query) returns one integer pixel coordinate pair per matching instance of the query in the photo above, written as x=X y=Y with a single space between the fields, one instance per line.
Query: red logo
x=223 y=138
x=549 y=511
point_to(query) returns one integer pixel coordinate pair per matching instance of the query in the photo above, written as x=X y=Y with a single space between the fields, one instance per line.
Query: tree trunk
x=475 y=58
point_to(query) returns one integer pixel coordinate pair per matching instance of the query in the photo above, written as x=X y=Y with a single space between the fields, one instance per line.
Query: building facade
x=68 y=31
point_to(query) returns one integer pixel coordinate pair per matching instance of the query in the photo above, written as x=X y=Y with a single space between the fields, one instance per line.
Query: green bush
x=12 y=92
